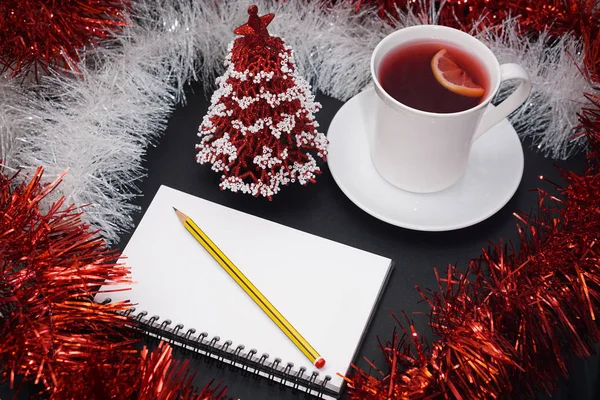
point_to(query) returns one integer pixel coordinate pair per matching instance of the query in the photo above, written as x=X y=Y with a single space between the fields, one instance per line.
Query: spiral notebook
x=328 y=291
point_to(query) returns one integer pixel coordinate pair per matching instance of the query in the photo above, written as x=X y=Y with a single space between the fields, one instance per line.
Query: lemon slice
x=453 y=77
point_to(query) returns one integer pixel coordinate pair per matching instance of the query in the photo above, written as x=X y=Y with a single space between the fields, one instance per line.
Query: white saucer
x=493 y=175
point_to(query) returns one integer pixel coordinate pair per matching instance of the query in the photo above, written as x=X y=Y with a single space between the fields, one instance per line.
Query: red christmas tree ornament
x=43 y=35
x=260 y=131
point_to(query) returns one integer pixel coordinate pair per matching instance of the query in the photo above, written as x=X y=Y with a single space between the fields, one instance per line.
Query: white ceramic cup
x=426 y=152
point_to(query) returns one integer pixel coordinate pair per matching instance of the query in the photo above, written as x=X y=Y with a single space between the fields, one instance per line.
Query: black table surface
x=322 y=209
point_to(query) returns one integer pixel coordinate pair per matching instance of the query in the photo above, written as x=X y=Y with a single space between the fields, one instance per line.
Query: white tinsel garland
x=13 y=120
x=99 y=123
x=550 y=114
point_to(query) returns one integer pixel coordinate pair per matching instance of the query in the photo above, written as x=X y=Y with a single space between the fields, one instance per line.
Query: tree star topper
x=256 y=25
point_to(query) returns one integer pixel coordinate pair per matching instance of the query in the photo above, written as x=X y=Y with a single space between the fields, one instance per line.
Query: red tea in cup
x=406 y=73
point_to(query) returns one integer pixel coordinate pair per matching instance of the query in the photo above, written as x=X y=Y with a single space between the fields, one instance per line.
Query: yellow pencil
x=251 y=290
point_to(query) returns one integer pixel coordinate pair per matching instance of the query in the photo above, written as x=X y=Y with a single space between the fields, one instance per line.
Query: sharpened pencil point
x=182 y=217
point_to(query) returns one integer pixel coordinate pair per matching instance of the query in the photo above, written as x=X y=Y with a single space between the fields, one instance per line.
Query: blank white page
x=325 y=289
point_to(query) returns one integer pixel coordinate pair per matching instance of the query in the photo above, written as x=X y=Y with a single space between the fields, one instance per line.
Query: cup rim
x=396 y=103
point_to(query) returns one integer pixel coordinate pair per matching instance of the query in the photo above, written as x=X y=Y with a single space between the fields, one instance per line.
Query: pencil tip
x=182 y=217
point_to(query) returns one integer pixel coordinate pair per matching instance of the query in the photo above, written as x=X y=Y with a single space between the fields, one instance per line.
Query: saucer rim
x=426 y=227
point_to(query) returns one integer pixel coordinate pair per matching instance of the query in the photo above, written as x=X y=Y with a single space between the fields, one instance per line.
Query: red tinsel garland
x=506 y=325
x=53 y=333
x=558 y=16
x=161 y=378
x=38 y=34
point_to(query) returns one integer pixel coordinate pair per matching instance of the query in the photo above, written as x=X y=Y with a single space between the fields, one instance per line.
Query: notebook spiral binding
x=187 y=341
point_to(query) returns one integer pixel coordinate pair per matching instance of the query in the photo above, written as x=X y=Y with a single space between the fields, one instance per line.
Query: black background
x=322 y=209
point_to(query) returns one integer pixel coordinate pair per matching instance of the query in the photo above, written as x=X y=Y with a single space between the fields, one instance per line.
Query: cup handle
x=511 y=103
